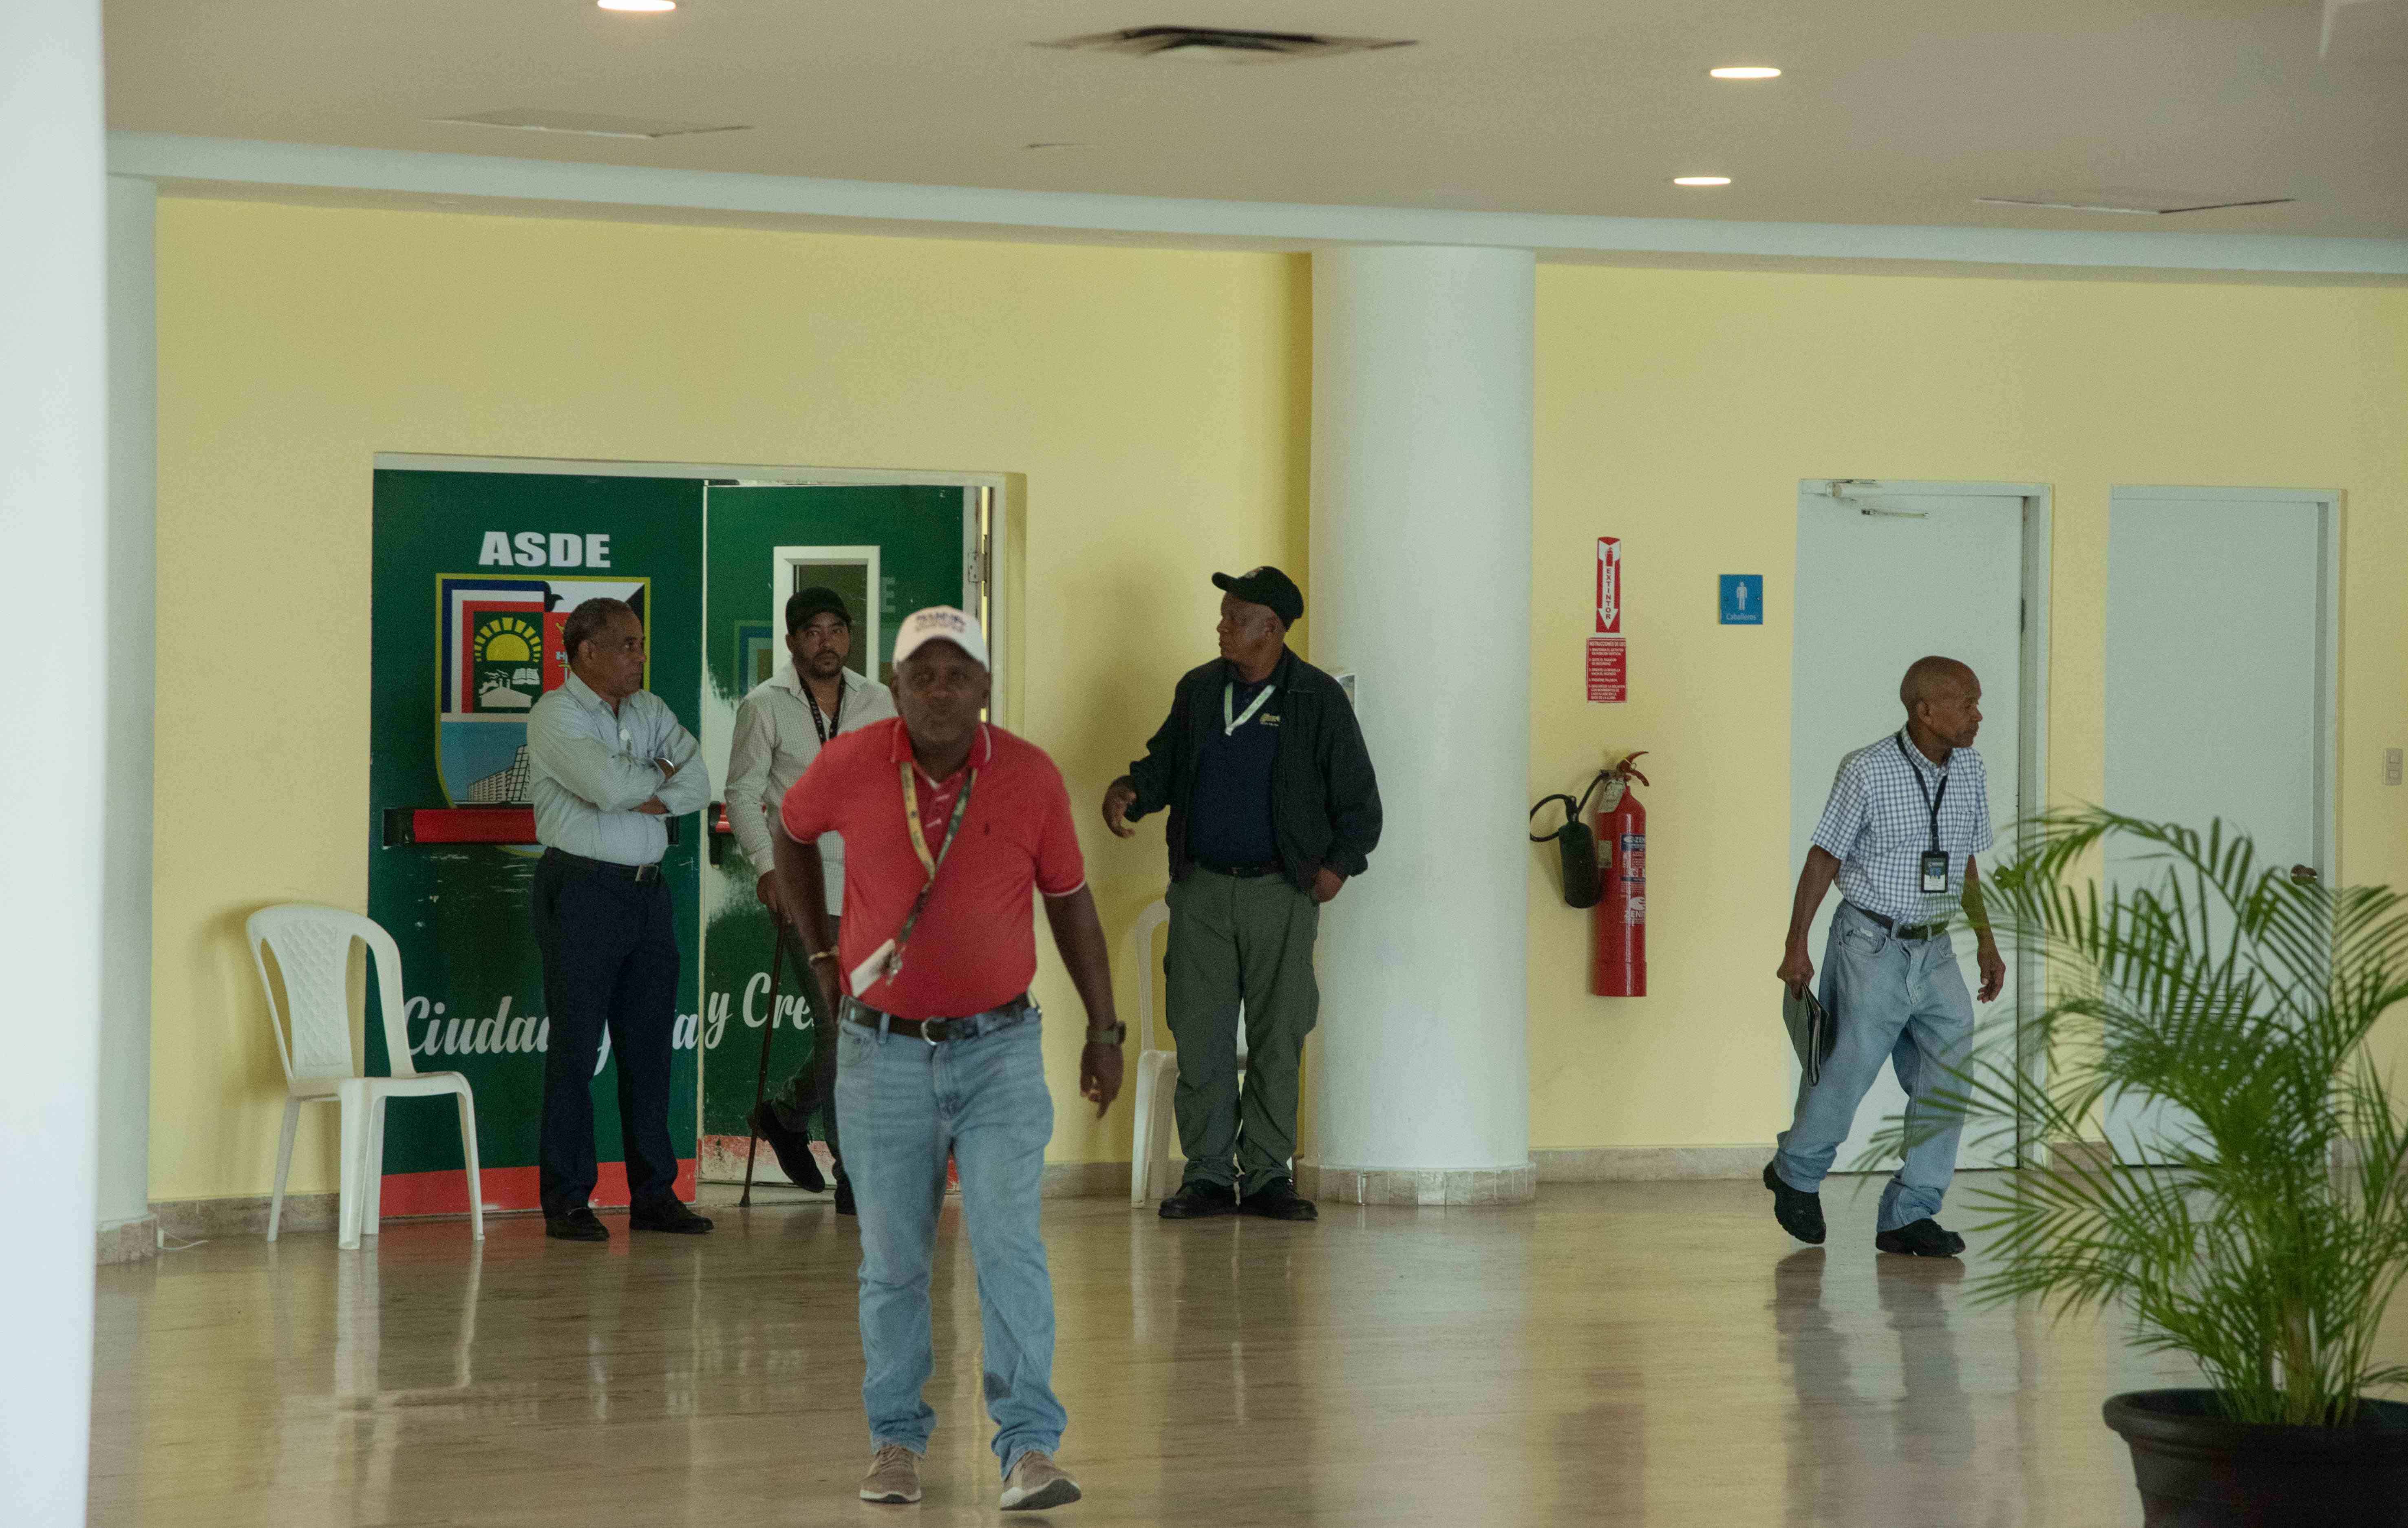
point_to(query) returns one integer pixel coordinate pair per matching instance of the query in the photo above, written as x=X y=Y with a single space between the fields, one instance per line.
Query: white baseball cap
x=942 y=624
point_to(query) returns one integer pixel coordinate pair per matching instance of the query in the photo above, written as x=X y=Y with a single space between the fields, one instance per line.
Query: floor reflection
x=1604 y=1356
x=1882 y=1415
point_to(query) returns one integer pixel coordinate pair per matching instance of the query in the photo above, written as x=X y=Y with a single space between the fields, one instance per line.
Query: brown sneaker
x=1035 y=1483
x=894 y=1477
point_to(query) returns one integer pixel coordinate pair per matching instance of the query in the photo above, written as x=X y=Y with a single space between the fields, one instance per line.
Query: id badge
x=1935 y=869
x=880 y=966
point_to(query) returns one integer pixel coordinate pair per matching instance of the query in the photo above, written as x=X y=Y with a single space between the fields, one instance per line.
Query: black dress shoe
x=792 y=1147
x=1923 y=1238
x=1199 y=1200
x=669 y=1215
x=1801 y=1215
x=578 y=1225
x=1279 y=1200
x=844 y=1195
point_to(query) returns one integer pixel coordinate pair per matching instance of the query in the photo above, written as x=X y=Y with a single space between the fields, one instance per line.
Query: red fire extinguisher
x=1622 y=913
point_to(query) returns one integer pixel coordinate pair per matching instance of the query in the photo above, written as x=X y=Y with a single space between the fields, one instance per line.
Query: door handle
x=2304 y=874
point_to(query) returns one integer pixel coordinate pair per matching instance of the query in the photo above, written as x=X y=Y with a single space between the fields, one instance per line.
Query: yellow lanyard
x=912 y=817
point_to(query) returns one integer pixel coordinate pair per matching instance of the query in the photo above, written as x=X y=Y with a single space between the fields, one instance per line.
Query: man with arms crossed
x=1273 y=805
x=940 y=1048
x=1906 y=816
x=607 y=765
x=780 y=729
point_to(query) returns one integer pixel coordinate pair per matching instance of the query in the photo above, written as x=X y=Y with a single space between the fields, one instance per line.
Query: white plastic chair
x=312 y=947
x=1156 y=1129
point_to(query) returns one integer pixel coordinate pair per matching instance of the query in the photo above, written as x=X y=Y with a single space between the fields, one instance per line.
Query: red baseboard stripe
x=505 y=1188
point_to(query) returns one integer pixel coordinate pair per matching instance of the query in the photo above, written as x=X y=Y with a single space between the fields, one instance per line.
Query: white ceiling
x=1888 y=113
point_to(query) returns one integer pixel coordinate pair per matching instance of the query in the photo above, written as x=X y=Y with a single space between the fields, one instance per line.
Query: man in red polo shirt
x=948 y=826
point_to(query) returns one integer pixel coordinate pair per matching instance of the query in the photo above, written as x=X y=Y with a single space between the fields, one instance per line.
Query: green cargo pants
x=1237 y=939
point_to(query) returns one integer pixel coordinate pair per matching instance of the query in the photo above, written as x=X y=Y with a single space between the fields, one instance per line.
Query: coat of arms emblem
x=499 y=649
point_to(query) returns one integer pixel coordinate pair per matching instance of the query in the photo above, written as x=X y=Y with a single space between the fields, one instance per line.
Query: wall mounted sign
x=1608 y=661
x=1742 y=599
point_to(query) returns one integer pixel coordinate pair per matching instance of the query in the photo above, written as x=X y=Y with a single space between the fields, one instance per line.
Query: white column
x=1421 y=587
x=127 y=1231
x=53 y=454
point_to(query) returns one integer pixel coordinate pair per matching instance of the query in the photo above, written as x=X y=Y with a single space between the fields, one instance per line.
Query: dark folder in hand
x=1811 y=1033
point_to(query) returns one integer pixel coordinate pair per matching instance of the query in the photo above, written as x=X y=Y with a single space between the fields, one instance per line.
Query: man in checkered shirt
x=1906 y=816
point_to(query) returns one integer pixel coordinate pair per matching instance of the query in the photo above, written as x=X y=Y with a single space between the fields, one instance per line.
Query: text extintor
x=1609 y=673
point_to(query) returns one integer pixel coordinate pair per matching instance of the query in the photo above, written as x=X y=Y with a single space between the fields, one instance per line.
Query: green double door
x=889 y=551
x=475 y=575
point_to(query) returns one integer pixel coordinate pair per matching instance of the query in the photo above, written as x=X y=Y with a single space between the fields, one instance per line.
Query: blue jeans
x=1898 y=1001
x=905 y=1104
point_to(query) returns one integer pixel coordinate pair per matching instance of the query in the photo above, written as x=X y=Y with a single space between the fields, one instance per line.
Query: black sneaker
x=1199 y=1200
x=792 y=1147
x=1801 y=1215
x=1923 y=1238
x=578 y=1225
x=669 y=1215
x=1279 y=1200
x=844 y=1204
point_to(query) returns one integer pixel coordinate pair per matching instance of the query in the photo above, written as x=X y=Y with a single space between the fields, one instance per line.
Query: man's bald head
x=1943 y=697
x=1928 y=678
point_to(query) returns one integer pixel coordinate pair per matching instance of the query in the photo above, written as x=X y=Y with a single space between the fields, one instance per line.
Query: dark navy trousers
x=609 y=961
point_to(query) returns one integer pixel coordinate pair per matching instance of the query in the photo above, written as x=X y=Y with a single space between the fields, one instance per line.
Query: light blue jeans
x=1898 y=1001
x=903 y=1104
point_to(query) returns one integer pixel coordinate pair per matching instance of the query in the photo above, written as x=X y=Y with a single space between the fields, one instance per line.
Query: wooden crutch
x=761 y=1085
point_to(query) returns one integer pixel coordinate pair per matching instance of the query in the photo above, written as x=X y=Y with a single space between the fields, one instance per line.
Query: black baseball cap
x=815 y=600
x=1265 y=586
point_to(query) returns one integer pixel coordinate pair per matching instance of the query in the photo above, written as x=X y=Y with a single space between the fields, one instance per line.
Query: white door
x=1885 y=577
x=2218 y=679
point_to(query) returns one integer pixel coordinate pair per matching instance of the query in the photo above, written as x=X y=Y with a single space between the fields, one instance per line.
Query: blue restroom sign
x=1742 y=599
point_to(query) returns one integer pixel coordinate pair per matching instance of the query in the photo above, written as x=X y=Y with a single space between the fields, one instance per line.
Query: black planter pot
x=2198 y=1470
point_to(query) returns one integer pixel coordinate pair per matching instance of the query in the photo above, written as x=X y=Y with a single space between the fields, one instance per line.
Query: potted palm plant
x=2272 y=1232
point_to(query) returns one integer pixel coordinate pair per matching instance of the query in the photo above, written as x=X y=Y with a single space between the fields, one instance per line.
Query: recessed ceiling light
x=637 y=5
x=1745 y=71
x=1701 y=179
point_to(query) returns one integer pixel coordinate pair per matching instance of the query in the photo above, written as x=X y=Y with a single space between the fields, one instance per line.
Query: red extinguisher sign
x=1622 y=912
x=1609 y=681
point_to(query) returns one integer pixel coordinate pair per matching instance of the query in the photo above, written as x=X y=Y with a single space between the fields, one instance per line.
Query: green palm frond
x=2269 y=1245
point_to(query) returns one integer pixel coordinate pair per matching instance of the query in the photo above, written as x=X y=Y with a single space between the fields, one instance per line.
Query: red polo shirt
x=975 y=947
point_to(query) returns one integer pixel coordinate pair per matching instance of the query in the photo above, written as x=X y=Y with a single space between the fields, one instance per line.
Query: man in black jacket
x=1273 y=805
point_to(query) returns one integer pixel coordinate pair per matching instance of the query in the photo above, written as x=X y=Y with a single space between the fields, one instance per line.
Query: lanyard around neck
x=1230 y=720
x=911 y=818
x=1925 y=792
x=826 y=725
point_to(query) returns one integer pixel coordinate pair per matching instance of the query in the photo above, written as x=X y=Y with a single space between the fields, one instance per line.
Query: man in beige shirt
x=780 y=729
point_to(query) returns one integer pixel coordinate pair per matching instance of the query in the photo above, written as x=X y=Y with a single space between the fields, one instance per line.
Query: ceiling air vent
x=1219 y=43
x=586 y=123
x=2122 y=199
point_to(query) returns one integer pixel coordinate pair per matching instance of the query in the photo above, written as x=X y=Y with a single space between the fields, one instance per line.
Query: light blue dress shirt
x=1878 y=824
x=588 y=769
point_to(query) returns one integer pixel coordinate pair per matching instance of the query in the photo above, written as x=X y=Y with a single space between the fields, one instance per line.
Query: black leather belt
x=934 y=1031
x=1242 y=872
x=640 y=874
x=1904 y=930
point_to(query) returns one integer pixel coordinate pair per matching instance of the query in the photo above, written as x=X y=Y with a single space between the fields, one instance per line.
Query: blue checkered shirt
x=1878 y=824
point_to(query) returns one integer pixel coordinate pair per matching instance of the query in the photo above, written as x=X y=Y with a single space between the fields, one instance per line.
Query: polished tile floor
x=1626 y=1353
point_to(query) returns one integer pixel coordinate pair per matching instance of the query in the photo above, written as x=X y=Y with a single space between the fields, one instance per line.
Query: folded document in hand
x=1812 y=1032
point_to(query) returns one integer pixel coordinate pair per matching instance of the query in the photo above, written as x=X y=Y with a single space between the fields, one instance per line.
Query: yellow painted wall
x=1156 y=403
x=1679 y=410
x=1152 y=401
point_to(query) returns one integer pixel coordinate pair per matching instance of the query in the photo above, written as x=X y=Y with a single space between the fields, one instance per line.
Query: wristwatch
x=1112 y=1036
